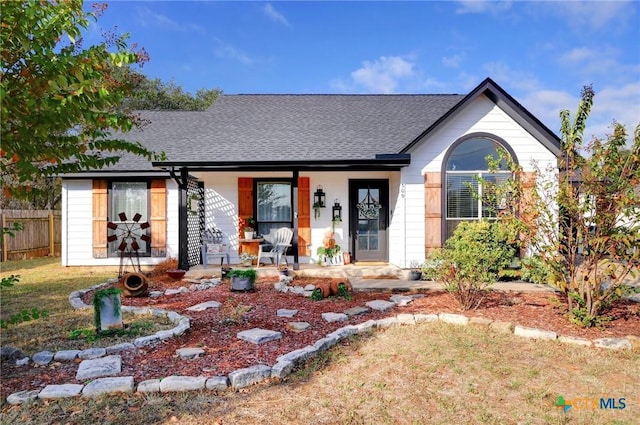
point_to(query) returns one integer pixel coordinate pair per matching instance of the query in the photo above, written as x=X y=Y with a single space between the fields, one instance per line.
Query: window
x=273 y=205
x=465 y=198
x=130 y=198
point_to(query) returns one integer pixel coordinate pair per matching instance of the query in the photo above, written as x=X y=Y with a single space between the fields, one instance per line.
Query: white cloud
x=596 y=15
x=148 y=18
x=225 y=50
x=620 y=103
x=505 y=76
x=274 y=15
x=383 y=75
x=454 y=60
x=482 y=6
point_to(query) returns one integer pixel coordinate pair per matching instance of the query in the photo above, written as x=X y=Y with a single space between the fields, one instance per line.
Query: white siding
x=77 y=228
x=77 y=216
x=480 y=116
x=221 y=199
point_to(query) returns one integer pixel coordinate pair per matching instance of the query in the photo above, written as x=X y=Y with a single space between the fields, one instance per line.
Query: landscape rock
x=149 y=386
x=182 y=383
x=11 y=354
x=335 y=317
x=219 y=383
x=205 y=305
x=298 y=326
x=401 y=300
x=248 y=376
x=380 y=305
x=92 y=353
x=60 y=391
x=534 y=333
x=613 y=343
x=189 y=352
x=283 y=312
x=96 y=368
x=259 y=336
x=120 y=384
x=66 y=355
x=22 y=397
x=456 y=319
x=42 y=358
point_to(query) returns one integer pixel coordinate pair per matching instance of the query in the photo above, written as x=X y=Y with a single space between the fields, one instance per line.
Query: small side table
x=250 y=246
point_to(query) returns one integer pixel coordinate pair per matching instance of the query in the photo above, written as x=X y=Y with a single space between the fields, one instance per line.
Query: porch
x=366 y=277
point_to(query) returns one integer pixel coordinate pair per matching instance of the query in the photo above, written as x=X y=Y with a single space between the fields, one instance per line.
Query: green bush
x=473 y=258
x=250 y=273
x=534 y=270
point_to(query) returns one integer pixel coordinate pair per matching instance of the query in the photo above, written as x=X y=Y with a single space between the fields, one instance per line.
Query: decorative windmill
x=128 y=234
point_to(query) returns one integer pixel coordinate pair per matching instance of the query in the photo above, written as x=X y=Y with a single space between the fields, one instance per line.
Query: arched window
x=465 y=164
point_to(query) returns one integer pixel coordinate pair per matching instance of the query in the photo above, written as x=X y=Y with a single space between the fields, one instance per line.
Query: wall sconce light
x=337 y=211
x=319 y=198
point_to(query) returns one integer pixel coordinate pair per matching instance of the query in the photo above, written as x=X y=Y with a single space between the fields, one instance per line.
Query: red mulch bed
x=224 y=352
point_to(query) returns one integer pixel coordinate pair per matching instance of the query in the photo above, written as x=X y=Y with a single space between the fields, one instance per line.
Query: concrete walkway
x=369 y=277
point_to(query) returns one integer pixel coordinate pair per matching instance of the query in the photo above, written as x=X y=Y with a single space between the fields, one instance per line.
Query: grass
x=424 y=374
x=45 y=284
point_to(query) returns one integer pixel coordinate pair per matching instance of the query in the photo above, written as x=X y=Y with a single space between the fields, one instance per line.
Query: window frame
x=272 y=223
x=475 y=174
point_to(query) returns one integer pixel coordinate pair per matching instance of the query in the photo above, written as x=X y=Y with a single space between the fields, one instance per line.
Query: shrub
x=534 y=270
x=472 y=259
x=250 y=273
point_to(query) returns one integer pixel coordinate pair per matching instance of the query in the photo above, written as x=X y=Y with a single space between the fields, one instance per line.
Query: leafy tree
x=60 y=100
x=584 y=222
x=150 y=94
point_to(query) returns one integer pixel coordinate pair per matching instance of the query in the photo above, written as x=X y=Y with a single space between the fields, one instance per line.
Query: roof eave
x=380 y=162
x=515 y=110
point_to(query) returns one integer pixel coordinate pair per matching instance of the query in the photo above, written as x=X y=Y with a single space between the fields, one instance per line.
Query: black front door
x=368 y=212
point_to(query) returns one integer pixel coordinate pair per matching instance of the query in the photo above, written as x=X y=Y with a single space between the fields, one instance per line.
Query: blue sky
x=542 y=52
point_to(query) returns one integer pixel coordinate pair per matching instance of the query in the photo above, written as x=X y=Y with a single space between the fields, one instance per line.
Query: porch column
x=183 y=249
x=294 y=242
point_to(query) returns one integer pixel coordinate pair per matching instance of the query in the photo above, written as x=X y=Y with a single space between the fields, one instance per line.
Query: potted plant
x=247 y=259
x=248 y=227
x=242 y=279
x=415 y=272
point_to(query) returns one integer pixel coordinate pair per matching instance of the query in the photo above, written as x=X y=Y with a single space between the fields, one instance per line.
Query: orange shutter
x=304 y=216
x=99 y=231
x=433 y=211
x=245 y=199
x=158 y=218
x=245 y=210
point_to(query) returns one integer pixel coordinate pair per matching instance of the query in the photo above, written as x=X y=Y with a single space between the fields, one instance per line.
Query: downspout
x=181 y=181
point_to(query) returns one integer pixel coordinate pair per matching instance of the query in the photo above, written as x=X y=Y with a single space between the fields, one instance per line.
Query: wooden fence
x=41 y=235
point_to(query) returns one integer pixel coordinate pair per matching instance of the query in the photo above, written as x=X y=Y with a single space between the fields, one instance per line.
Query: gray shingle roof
x=290 y=127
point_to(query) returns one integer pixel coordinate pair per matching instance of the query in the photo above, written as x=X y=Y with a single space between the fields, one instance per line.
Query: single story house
x=395 y=168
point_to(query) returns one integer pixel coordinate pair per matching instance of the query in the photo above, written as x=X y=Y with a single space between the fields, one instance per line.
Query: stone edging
x=286 y=363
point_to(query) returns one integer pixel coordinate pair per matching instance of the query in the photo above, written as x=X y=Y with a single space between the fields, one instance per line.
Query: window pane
x=462 y=199
x=129 y=198
x=274 y=201
x=471 y=155
x=492 y=200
